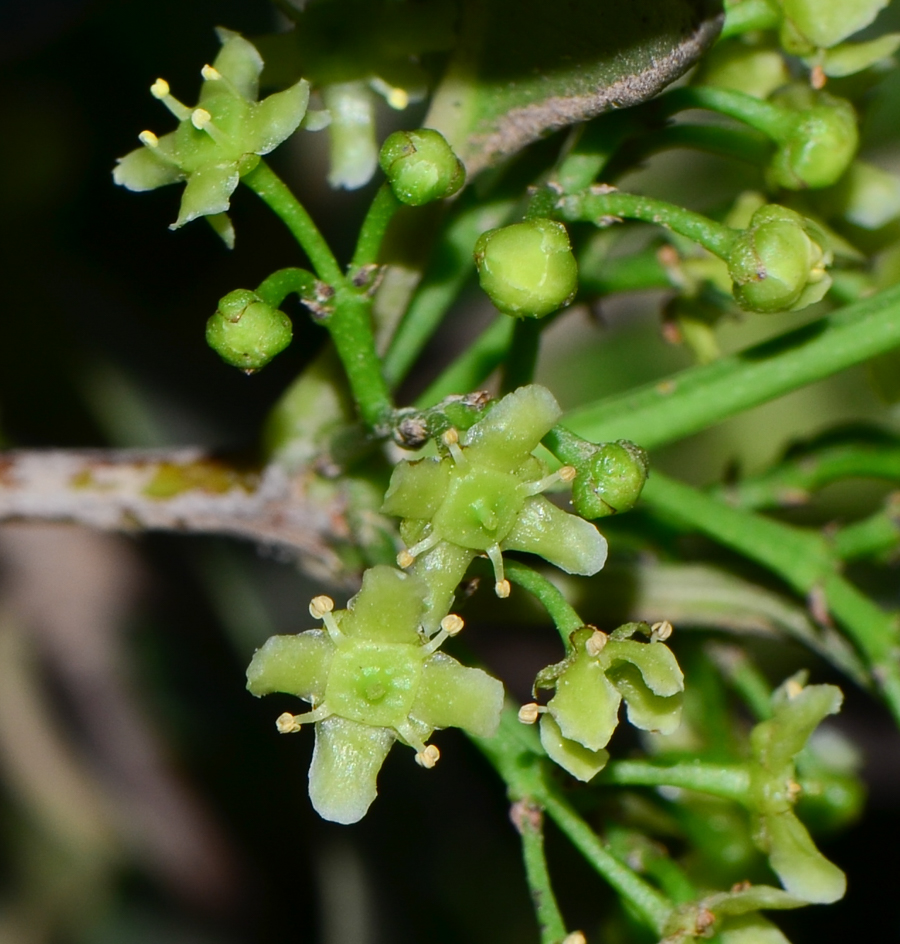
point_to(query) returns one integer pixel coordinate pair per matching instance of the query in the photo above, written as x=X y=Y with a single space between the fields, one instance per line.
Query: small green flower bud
x=820 y=146
x=778 y=263
x=246 y=332
x=421 y=166
x=610 y=481
x=527 y=269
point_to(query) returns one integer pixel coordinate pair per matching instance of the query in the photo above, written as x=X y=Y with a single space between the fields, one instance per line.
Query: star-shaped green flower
x=372 y=677
x=485 y=497
x=591 y=683
x=219 y=141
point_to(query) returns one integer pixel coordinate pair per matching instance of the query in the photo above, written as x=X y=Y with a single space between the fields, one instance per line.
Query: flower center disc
x=374 y=683
x=480 y=509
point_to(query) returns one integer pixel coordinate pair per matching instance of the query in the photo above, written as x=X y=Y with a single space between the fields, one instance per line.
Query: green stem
x=529 y=822
x=667 y=410
x=473 y=367
x=634 y=273
x=273 y=191
x=749 y=15
x=276 y=288
x=729 y=781
x=745 y=678
x=597 y=207
x=521 y=360
x=596 y=143
x=801 y=558
x=877 y=534
x=563 y=614
x=775 y=121
x=371 y=234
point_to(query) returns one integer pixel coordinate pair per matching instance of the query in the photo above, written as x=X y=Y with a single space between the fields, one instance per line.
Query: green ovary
x=374 y=684
x=480 y=509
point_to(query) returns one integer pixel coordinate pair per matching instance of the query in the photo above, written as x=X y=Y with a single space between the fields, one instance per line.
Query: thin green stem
x=371 y=234
x=747 y=15
x=775 y=121
x=276 y=288
x=521 y=359
x=528 y=819
x=595 y=206
x=274 y=192
x=472 y=368
x=803 y=559
x=877 y=534
x=729 y=781
x=563 y=614
x=745 y=678
x=595 y=144
x=635 y=273
x=685 y=403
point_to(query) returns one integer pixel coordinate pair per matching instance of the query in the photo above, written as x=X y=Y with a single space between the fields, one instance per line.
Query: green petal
x=646 y=710
x=240 y=62
x=514 y=427
x=849 y=58
x=297 y=665
x=354 y=149
x=580 y=762
x=442 y=569
x=586 y=704
x=826 y=22
x=750 y=929
x=777 y=741
x=142 y=170
x=658 y=666
x=794 y=858
x=754 y=898
x=417 y=489
x=572 y=544
x=223 y=228
x=208 y=192
x=344 y=769
x=456 y=696
x=388 y=608
x=278 y=116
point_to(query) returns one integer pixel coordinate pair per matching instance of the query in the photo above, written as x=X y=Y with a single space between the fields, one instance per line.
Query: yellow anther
x=287 y=723
x=429 y=757
x=200 y=118
x=529 y=713
x=405 y=559
x=595 y=643
x=793 y=688
x=452 y=624
x=793 y=790
x=397 y=98
x=576 y=937
x=160 y=88
x=502 y=588
x=661 y=630
x=566 y=474
x=450 y=437
x=149 y=139
x=319 y=606
x=210 y=73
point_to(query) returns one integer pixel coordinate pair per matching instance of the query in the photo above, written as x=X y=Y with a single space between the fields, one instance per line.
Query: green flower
x=372 y=678
x=775 y=743
x=421 y=166
x=219 y=141
x=485 y=497
x=599 y=672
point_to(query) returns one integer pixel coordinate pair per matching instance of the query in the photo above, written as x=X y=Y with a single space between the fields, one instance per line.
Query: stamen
x=291 y=724
x=406 y=558
x=210 y=73
x=451 y=440
x=576 y=937
x=529 y=713
x=319 y=606
x=501 y=584
x=594 y=645
x=397 y=98
x=661 y=631
x=451 y=625
x=564 y=474
x=793 y=688
x=428 y=757
x=148 y=139
x=201 y=119
x=793 y=790
x=160 y=90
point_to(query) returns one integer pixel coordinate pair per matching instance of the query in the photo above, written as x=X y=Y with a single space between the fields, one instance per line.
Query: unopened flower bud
x=527 y=269
x=246 y=332
x=779 y=262
x=421 y=166
x=611 y=479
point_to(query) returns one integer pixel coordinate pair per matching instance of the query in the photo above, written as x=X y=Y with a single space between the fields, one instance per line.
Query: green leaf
x=525 y=68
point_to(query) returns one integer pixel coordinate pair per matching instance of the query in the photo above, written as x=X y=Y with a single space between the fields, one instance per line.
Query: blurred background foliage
x=144 y=796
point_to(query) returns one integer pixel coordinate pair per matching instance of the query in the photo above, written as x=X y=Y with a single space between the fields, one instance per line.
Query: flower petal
x=750 y=929
x=344 y=769
x=388 y=608
x=514 y=426
x=442 y=568
x=417 y=488
x=794 y=858
x=777 y=741
x=208 y=192
x=646 y=710
x=240 y=62
x=586 y=704
x=658 y=666
x=297 y=665
x=277 y=117
x=572 y=544
x=142 y=170
x=570 y=755
x=455 y=696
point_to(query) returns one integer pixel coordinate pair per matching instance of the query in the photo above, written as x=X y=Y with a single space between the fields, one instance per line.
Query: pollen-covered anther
x=576 y=937
x=450 y=439
x=502 y=588
x=595 y=643
x=210 y=73
x=794 y=790
x=160 y=89
x=452 y=624
x=567 y=474
x=287 y=723
x=793 y=688
x=148 y=139
x=528 y=714
x=428 y=757
x=661 y=631
x=319 y=606
x=405 y=559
